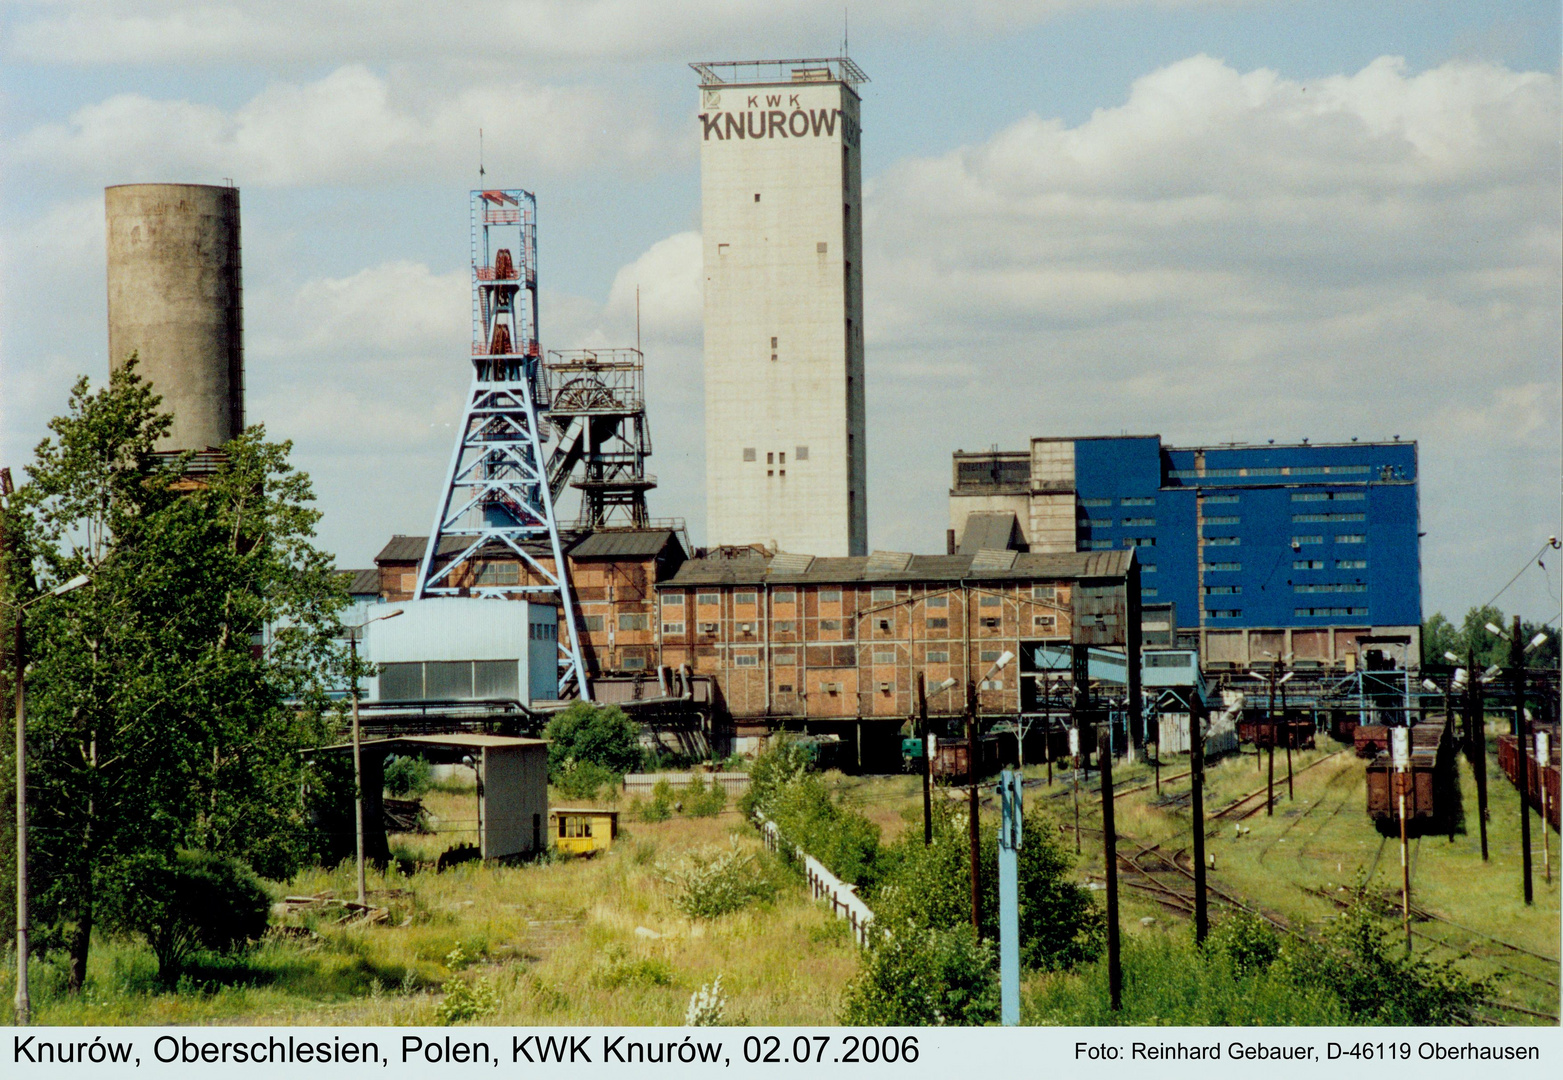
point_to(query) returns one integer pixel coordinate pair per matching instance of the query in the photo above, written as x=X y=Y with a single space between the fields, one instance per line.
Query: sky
x=1211 y=220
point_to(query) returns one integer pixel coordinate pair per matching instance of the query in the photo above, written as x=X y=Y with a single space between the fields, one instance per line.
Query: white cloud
x=350 y=126
x=671 y=290
x=250 y=31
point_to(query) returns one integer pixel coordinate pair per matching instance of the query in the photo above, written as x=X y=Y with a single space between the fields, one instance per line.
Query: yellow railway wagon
x=581 y=831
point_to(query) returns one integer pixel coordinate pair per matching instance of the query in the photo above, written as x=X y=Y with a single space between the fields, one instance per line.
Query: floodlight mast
x=497 y=497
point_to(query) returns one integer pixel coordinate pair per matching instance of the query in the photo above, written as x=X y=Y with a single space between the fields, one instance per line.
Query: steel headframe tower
x=597 y=403
x=497 y=494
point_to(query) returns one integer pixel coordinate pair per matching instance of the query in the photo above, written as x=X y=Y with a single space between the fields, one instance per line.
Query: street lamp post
x=358 y=760
x=23 y=1000
x=922 y=708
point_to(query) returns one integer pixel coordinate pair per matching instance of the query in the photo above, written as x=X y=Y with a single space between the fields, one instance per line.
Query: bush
x=601 y=736
x=930 y=887
x=196 y=901
x=1249 y=942
x=617 y=969
x=708 y=884
x=660 y=805
x=842 y=839
x=701 y=800
x=408 y=776
x=914 y=976
x=583 y=779
x=782 y=762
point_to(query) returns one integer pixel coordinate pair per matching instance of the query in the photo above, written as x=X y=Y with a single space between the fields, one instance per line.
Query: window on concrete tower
x=749 y=453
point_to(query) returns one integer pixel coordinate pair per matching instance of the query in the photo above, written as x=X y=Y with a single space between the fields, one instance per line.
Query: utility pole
x=1047 y=725
x=922 y=715
x=1110 y=856
x=24 y=1007
x=1400 y=754
x=1476 y=725
x=1010 y=814
x=1197 y=794
x=971 y=813
x=1286 y=722
x=358 y=775
x=1270 y=784
x=1517 y=660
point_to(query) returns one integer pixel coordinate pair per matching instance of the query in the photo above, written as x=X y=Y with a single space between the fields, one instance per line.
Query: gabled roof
x=990 y=530
x=362 y=582
x=779 y=570
x=625 y=544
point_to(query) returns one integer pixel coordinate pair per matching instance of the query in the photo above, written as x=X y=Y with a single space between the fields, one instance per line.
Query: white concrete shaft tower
x=781 y=183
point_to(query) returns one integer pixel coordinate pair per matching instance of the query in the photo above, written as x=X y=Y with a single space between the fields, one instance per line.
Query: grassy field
x=598 y=941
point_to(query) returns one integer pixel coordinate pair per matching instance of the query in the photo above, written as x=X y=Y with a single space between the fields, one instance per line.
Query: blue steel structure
x=1261 y=536
x=497 y=494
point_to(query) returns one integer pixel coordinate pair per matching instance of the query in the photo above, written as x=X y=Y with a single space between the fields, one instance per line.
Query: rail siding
x=823 y=885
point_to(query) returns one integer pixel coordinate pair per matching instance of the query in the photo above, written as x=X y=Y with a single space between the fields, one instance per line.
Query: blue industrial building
x=1245 y=550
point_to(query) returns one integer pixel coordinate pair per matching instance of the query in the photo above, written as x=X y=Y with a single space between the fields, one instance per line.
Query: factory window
x=743 y=597
x=499 y=573
x=708 y=598
x=749 y=453
x=1222 y=541
x=1147 y=592
x=802 y=454
x=1351 y=538
x=545 y=632
x=1348 y=496
x=884 y=656
x=938 y=656
x=1049 y=621
x=1095 y=502
x=990 y=624
x=1222 y=590
x=1308 y=564
x=401 y=682
x=939 y=601
x=672 y=628
x=882 y=596
x=1298 y=540
x=1146 y=522
x=990 y=656
x=781 y=459
x=1328 y=612
x=744 y=660
x=990 y=601
x=1098 y=523
x=1042 y=592
x=1223 y=566
x=770 y=458
x=773 y=343
x=1332 y=587
x=708 y=628
x=1218 y=498
x=495 y=679
x=784 y=596
x=1329 y=517
x=592 y=623
x=830 y=624
x=1137 y=500
x=1225 y=613
x=672 y=599
x=786 y=658
x=447 y=680
x=938 y=624
x=782 y=626
x=1139 y=541
x=784 y=688
x=1311 y=496
x=1148 y=568
x=634 y=622
x=1098 y=545
x=756 y=196
x=1351 y=564
x=633 y=663
x=1229 y=520
x=821 y=247
x=830 y=596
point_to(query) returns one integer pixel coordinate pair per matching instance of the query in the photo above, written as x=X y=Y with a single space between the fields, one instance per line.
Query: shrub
x=1249 y=942
x=842 y=839
x=707 y=1006
x=591 y=734
x=701 y=800
x=915 y=976
x=929 y=887
x=408 y=776
x=195 y=901
x=660 y=805
x=618 y=969
x=710 y=883
x=782 y=762
x=583 y=779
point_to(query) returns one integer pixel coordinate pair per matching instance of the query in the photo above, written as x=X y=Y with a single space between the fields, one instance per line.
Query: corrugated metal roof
x=410 y=548
x=627 y=543
x=993 y=559
x=362 y=582
x=994 y=530
x=787 y=562
x=756 y=570
x=888 y=561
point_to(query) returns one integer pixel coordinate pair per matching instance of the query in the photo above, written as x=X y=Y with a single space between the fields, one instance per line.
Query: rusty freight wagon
x=1539 y=780
x=1370 y=740
x=1429 y=784
x=1294 y=729
x=950 y=759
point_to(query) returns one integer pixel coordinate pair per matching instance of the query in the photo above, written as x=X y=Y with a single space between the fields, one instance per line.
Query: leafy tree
x=596 y=735
x=166 y=699
x=408 y=775
x=1438 y=637
x=780 y=763
x=930 y=886
x=195 y=901
x=914 y=976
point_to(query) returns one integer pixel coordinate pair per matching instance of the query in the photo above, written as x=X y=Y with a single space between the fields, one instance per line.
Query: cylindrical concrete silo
x=175 y=301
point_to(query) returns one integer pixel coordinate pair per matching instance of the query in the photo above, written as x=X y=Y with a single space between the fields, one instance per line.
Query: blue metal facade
x=1350 y=510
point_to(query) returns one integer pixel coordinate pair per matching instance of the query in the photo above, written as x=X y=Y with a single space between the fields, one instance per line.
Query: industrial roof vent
x=888 y=562
x=788 y=563
x=989 y=559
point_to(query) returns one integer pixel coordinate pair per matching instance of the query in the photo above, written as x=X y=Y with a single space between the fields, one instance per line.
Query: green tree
x=1438 y=637
x=166 y=699
x=589 y=745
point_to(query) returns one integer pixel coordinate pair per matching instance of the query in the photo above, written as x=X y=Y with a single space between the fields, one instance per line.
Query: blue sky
x=1083 y=217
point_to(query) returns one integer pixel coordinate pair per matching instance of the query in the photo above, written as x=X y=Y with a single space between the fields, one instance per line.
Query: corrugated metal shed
x=757 y=570
x=625 y=544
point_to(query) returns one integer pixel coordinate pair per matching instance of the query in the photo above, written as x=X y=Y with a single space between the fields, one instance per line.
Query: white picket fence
x=823 y=885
